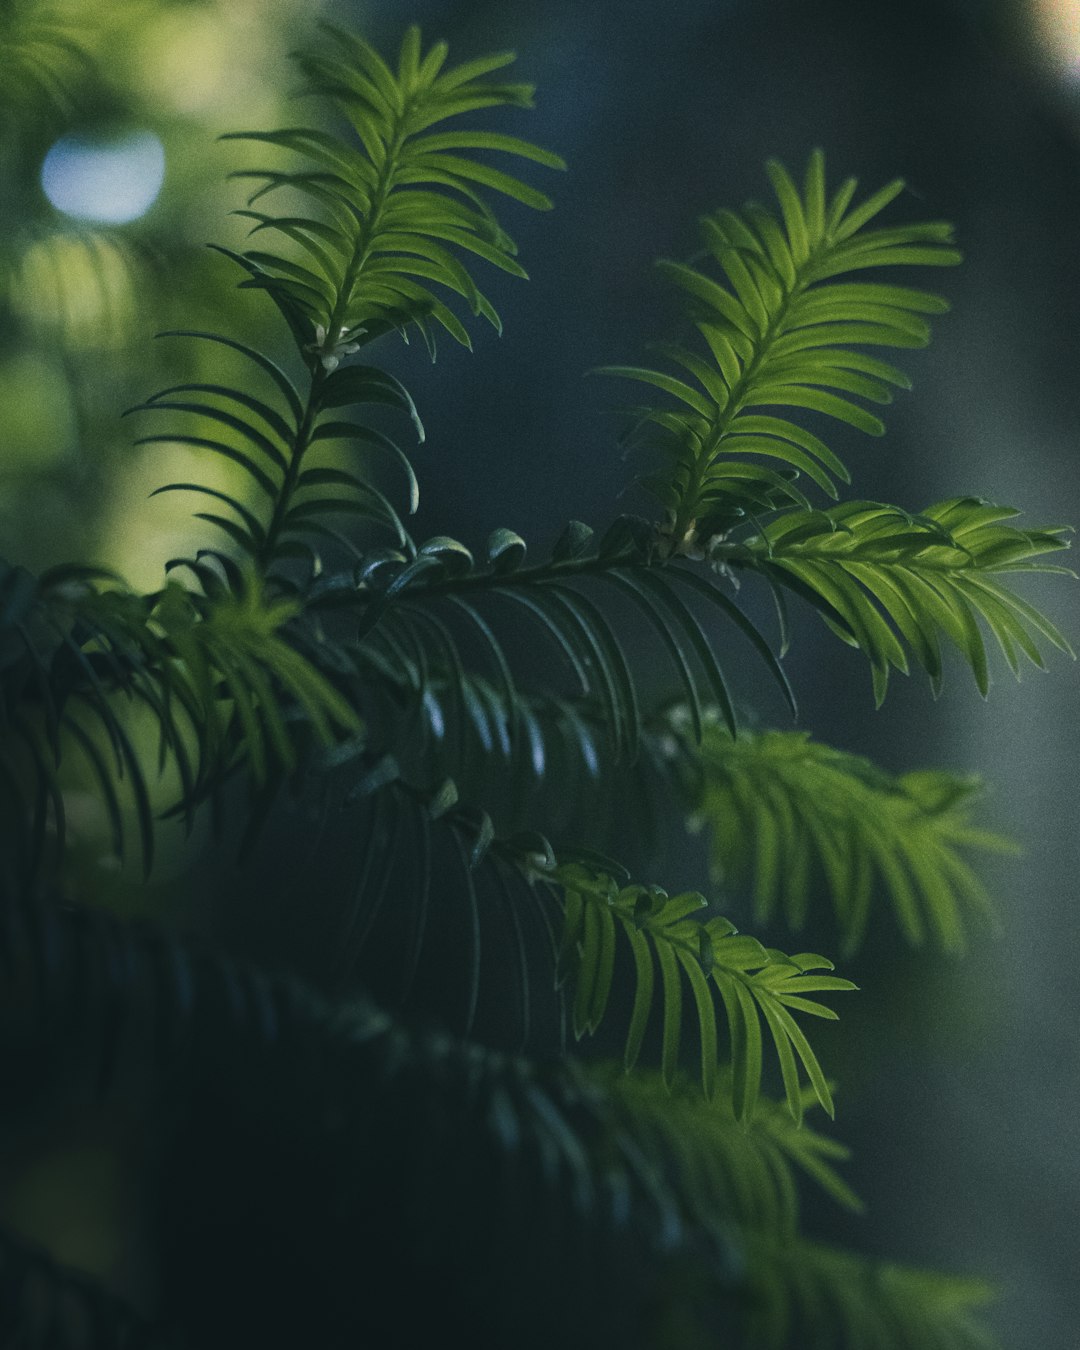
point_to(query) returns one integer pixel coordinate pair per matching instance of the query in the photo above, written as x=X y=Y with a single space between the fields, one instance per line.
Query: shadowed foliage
x=339 y=1166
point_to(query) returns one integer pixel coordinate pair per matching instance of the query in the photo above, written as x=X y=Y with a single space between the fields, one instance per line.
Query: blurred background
x=960 y=1080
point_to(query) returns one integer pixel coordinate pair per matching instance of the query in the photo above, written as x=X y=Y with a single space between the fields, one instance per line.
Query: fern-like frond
x=417 y=617
x=753 y=1165
x=389 y=211
x=781 y=333
x=431 y=893
x=395 y=206
x=759 y=988
x=888 y=581
x=443 y=719
x=294 y=479
x=788 y=815
x=809 y=1294
x=541 y=1149
x=755 y=984
x=220 y=683
x=443 y=882
x=234 y=652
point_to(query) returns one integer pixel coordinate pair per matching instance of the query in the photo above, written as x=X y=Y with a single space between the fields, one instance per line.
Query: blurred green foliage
x=81 y=301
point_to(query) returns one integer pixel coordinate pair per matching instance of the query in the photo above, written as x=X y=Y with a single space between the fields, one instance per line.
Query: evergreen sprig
x=755 y=984
x=391 y=203
x=629 y=1157
x=79 y=653
x=836 y=1299
x=324 y=649
x=387 y=205
x=781 y=333
x=786 y=815
x=882 y=577
x=417 y=613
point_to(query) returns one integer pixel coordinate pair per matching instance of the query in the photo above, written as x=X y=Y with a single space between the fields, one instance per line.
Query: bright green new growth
x=882 y=577
x=341 y=660
x=755 y=984
x=385 y=216
x=785 y=333
x=781 y=334
x=788 y=815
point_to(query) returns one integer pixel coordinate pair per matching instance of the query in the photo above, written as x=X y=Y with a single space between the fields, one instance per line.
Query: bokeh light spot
x=111 y=180
x=1057 y=30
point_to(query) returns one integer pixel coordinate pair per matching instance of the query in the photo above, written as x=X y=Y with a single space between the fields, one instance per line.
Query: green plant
x=317 y=664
